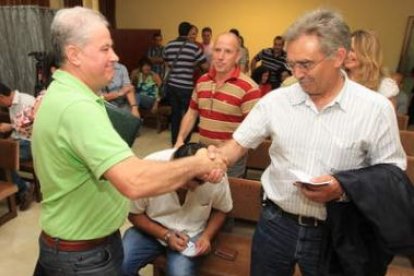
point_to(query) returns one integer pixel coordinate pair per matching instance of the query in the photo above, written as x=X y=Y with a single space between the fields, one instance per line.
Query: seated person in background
x=402 y=98
x=180 y=224
x=120 y=92
x=20 y=107
x=147 y=84
x=365 y=66
x=261 y=76
x=273 y=58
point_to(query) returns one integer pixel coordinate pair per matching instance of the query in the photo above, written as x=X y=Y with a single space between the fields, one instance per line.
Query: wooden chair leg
x=12 y=210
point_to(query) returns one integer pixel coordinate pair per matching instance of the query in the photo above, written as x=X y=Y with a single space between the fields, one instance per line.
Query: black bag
x=123 y=122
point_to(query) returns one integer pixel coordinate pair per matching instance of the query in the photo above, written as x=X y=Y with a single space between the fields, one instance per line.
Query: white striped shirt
x=357 y=129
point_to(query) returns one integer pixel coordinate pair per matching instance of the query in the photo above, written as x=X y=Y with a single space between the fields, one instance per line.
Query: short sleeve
x=255 y=127
x=138 y=206
x=388 y=87
x=222 y=200
x=125 y=76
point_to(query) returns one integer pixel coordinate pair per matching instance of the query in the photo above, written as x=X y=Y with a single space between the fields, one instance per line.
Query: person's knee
x=182 y=266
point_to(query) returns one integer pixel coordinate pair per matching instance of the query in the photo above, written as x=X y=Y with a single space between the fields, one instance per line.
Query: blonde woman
x=364 y=65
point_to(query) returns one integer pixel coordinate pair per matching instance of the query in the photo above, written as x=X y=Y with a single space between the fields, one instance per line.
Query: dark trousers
x=280 y=242
x=179 y=100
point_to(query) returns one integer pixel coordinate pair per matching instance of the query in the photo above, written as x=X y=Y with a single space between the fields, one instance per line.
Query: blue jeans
x=104 y=260
x=144 y=101
x=179 y=100
x=141 y=249
x=25 y=155
x=279 y=243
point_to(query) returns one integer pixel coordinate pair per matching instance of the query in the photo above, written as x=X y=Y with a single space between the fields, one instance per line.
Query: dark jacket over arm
x=377 y=223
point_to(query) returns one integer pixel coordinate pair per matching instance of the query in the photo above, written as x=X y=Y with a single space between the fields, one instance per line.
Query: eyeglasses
x=303 y=65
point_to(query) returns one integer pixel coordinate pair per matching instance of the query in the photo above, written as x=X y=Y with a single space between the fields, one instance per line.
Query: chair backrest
x=247 y=199
x=410 y=168
x=9 y=157
x=4 y=116
x=407 y=141
x=258 y=158
x=402 y=121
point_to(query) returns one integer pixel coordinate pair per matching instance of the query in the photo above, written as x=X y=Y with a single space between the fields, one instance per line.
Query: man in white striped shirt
x=322 y=124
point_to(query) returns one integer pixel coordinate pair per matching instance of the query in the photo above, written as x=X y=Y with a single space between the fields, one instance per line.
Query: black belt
x=299 y=219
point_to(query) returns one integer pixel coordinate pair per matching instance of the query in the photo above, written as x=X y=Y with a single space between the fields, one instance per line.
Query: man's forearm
x=136 y=178
x=144 y=223
x=5 y=127
x=187 y=124
x=216 y=221
x=232 y=151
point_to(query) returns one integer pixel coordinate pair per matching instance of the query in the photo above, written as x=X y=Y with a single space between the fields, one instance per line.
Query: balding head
x=226 y=53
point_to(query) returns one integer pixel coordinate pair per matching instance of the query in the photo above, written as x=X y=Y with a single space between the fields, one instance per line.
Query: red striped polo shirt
x=222 y=109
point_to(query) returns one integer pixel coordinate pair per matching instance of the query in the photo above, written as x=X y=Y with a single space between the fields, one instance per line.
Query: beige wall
x=259 y=21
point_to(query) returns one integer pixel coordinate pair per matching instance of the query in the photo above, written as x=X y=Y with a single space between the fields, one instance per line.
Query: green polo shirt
x=73 y=145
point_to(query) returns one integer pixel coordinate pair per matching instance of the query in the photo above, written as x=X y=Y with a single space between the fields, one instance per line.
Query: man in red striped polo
x=222 y=98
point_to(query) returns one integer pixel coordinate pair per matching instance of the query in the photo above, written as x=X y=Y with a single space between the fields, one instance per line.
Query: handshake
x=213 y=164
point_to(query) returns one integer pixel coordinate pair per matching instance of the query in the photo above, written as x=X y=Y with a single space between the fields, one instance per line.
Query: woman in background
x=261 y=76
x=147 y=84
x=364 y=65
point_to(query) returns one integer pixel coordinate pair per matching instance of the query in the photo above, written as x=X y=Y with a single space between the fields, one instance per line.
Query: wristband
x=167 y=236
x=132 y=105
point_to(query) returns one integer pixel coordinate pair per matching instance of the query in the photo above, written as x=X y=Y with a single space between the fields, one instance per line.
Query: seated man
x=180 y=224
x=120 y=92
x=20 y=107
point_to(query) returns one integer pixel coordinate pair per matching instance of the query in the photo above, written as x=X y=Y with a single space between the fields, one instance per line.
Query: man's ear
x=239 y=55
x=340 y=57
x=73 y=54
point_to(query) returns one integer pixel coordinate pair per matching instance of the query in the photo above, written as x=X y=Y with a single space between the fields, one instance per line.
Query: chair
x=27 y=167
x=159 y=119
x=258 y=159
x=242 y=190
x=9 y=161
x=407 y=141
x=402 y=121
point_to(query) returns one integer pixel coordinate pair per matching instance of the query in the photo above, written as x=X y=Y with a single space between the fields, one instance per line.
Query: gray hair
x=327 y=25
x=73 y=26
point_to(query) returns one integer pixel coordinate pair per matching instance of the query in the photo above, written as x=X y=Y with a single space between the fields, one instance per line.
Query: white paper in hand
x=191 y=250
x=304 y=178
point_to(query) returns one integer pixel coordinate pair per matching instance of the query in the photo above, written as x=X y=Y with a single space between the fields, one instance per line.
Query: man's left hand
x=325 y=193
x=203 y=246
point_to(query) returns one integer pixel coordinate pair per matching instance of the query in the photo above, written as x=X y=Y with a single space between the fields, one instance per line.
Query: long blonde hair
x=369 y=54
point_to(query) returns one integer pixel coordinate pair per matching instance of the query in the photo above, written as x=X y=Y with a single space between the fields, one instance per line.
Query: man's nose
x=114 y=56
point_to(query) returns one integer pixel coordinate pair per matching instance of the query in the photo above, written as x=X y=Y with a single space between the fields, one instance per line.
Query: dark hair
x=144 y=61
x=49 y=62
x=184 y=28
x=4 y=90
x=206 y=29
x=279 y=37
x=188 y=149
x=155 y=35
x=235 y=31
x=258 y=72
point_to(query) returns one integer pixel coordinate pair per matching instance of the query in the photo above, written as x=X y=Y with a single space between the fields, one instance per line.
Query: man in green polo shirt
x=85 y=169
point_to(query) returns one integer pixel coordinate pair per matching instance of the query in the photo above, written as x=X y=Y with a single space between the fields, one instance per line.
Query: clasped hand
x=216 y=164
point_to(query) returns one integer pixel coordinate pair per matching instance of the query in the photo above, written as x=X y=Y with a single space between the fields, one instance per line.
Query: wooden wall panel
x=132 y=44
